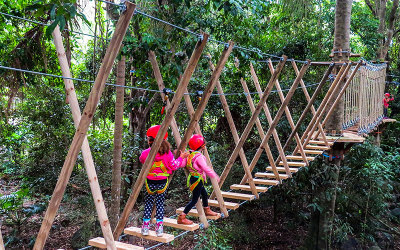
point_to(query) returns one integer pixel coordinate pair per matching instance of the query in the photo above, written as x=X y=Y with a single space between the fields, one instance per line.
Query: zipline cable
x=138 y=88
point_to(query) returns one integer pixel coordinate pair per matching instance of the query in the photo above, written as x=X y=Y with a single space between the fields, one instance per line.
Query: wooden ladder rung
x=174 y=223
x=316 y=147
x=320 y=142
x=100 y=242
x=193 y=212
x=248 y=188
x=136 y=231
x=270 y=175
x=238 y=196
x=299 y=158
x=294 y=163
x=265 y=182
x=282 y=169
x=228 y=205
x=313 y=152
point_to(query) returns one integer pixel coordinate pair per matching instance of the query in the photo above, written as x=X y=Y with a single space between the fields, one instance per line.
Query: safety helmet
x=196 y=141
x=387 y=94
x=153 y=130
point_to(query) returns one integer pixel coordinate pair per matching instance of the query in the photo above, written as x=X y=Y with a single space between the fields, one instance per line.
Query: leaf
x=51 y=27
x=53 y=12
x=62 y=22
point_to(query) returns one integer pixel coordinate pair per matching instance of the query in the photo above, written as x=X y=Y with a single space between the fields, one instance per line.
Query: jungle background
x=36 y=124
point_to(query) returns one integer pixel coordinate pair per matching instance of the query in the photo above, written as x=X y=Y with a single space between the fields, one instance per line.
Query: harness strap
x=158 y=191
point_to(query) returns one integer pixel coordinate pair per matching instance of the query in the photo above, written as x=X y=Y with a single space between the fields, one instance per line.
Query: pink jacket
x=168 y=160
x=386 y=102
x=199 y=163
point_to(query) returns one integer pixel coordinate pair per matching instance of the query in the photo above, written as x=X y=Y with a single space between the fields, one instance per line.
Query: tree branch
x=371 y=7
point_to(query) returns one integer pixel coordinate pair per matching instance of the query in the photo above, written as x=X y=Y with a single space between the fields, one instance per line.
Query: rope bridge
x=358 y=83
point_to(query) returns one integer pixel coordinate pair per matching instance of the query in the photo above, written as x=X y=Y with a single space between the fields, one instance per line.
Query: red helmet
x=153 y=130
x=196 y=141
x=387 y=94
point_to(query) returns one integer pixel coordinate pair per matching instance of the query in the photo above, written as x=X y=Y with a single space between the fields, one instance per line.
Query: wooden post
x=280 y=112
x=288 y=115
x=175 y=130
x=308 y=98
x=274 y=133
x=80 y=134
x=1 y=240
x=163 y=129
x=86 y=154
x=252 y=120
x=231 y=126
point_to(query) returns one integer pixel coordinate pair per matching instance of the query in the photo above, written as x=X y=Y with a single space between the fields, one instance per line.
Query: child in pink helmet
x=198 y=171
x=157 y=179
x=386 y=101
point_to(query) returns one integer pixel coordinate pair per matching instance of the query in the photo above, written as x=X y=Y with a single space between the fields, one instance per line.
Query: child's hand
x=184 y=154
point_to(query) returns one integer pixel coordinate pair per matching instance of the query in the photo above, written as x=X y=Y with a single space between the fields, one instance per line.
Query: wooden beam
x=252 y=120
x=99 y=242
x=80 y=134
x=280 y=112
x=86 y=153
x=232 y=127
x=194 y=59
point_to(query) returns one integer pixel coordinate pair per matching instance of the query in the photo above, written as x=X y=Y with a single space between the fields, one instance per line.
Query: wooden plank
x=266 y=182
x=299 y=158
x=319 y=142
x=247 y=188
x=229 y=205
x=191 y=66
x=313 y=152
x=136 y=231
x=316 y=147
x=174 y=125
x=238 y=196
x=193 y=212
x=270 y=175
x=80 y=134
x=251 y=122
x=169 y=222
x=281 y=169
x=86 y=153
x=99 y=242
x=295 y=164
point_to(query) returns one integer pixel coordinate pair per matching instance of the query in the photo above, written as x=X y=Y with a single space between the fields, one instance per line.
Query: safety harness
x=160 y=165
x=193 y=172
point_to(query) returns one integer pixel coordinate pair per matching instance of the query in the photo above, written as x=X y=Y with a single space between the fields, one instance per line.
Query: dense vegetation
x=36 y=126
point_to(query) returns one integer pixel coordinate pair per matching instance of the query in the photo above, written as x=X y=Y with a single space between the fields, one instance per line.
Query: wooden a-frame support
x=260 y=131
x=279 y=113
x=251 y=122
x=86 y=154
x=80 y=134
x=191 y=112
x=310 y=103
x=233 y=131
x=183 y=83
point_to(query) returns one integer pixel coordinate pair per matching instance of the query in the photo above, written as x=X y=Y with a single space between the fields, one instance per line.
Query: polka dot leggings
x=149 y=200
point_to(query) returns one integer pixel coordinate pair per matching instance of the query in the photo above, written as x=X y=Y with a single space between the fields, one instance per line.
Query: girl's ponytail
x=164 y=148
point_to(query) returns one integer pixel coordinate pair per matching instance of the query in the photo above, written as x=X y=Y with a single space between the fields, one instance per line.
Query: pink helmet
x=387 y=94
x=153 y=130
x=196 y=141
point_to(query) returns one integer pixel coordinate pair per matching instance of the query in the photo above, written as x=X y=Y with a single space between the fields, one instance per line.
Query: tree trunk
x=341 y=42
x=117 y=154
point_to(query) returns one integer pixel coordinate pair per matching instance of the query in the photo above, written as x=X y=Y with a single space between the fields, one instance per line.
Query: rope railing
x=363 y=98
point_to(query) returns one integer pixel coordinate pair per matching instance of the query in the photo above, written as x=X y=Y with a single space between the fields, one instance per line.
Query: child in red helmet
x=198 y=169
x=386 y=101
x=157 y=179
